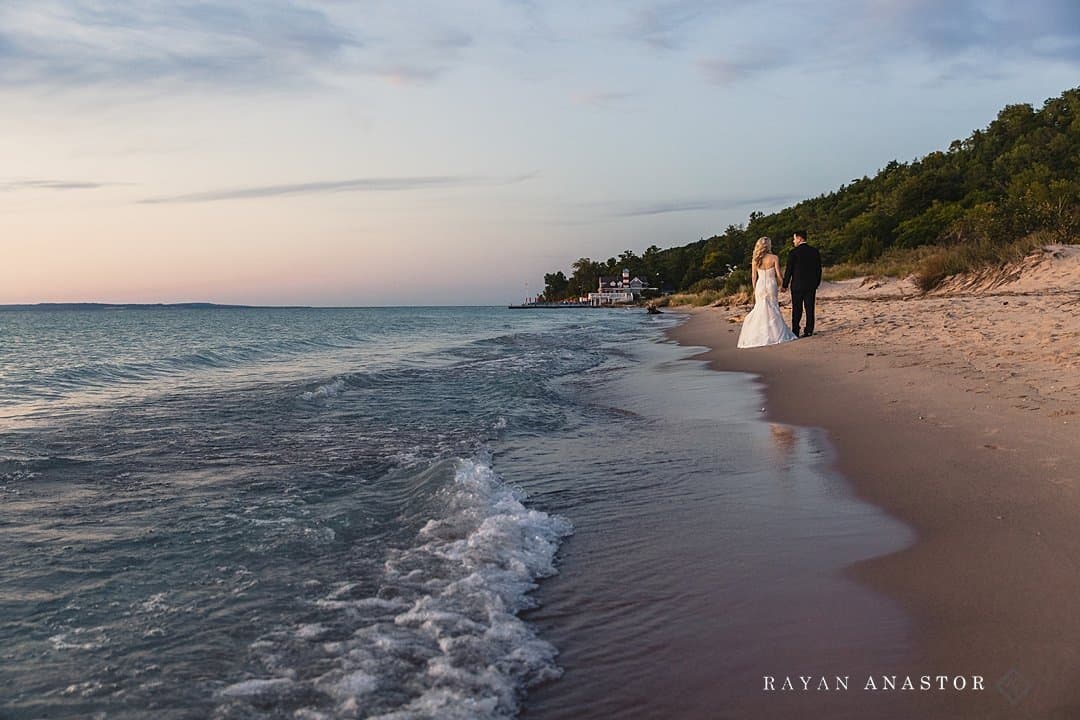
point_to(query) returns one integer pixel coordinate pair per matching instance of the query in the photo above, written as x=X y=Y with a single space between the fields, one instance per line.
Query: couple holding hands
x=764 y=325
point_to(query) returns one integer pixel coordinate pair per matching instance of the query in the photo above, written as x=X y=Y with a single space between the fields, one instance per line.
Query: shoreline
x=986 y=483
x=692 y=575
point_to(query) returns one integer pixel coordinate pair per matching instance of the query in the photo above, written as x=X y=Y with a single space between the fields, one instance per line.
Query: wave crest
x=442 y=637
x=322 y=392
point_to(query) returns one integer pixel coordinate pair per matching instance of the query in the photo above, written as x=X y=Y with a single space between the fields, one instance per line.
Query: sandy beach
x=956 y=412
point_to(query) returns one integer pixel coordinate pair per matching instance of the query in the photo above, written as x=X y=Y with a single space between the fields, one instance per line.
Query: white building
x=615 y=289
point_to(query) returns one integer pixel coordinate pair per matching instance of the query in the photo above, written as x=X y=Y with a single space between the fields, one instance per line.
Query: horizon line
x=195 y=305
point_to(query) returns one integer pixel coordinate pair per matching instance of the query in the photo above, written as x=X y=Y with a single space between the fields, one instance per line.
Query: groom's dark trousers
x=802 y=299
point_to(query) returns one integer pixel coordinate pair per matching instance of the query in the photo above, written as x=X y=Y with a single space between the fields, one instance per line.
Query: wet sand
x=957 y=414
x=709 y=550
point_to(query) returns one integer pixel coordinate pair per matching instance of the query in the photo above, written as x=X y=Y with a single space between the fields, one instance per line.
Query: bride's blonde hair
x=762 y=247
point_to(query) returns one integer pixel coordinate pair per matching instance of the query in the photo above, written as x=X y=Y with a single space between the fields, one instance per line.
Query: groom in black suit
x=803 y=274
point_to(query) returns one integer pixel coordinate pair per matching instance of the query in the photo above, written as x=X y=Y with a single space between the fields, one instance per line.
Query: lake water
x=409 y=513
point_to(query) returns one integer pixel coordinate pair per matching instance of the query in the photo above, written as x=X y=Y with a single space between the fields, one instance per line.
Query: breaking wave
x=441 y=637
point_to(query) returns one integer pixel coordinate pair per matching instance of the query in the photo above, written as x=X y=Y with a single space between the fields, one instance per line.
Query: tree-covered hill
x=1014 y=184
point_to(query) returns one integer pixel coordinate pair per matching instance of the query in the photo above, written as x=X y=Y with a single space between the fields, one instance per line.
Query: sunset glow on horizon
x=319 y=153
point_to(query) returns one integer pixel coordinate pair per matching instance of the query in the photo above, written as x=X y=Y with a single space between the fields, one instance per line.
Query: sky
x=412 y=152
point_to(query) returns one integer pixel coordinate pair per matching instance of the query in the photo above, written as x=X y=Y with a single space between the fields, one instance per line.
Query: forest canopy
x=1014 y=181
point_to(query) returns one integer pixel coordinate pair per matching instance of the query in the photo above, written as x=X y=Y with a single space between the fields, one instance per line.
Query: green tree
x=1018 y=176
x=555 y=285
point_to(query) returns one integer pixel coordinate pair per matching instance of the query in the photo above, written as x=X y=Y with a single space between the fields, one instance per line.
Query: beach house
x=616 y=289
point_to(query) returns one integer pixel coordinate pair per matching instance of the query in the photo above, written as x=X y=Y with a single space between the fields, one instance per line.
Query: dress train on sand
x=764 y=325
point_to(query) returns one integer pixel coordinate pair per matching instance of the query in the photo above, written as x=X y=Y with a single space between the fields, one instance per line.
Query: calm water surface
x=346 y=514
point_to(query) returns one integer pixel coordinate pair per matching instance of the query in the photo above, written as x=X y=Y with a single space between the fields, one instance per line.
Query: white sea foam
x=350 y=686
x=369 y=603
x=408 y=457
x=308 y=714
x=80 y=639
x=311 y=631
x=342 y=590
x=329 y=390
x=448 y=644
x=155 y=603
x=258 y=687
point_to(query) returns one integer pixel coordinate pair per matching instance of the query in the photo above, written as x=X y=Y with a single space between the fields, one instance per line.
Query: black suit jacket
x=803 y=268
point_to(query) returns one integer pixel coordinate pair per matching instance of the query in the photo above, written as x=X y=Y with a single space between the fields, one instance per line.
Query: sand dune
x=1013 y=334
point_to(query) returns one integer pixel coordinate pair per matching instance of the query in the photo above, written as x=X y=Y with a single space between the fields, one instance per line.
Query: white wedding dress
x=764 y=325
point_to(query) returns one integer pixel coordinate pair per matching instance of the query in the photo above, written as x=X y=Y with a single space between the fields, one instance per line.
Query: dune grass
x=698 y=299
x=930 y=265
x=946 y=261
x=895 y=262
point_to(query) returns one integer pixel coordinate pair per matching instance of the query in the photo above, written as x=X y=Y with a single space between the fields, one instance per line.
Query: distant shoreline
x=125 y=306
x=208 y=306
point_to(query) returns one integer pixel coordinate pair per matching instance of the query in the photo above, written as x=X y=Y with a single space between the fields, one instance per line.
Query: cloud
x=697 y=205
x=78 y=42
x=603 y=212
x=960 y=29
x=199 y=44
x=602 y=97
x=16 y=185
x=722 y=71
x=49 y=44
x=418 y=51
x=960 y=38
x=661 y=25
x=407 y=74
x=451 y=38
x=337 y=186
x=667 y=25
x=670 y=207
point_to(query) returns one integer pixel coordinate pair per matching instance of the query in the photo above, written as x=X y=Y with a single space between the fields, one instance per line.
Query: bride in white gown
x=764 y=325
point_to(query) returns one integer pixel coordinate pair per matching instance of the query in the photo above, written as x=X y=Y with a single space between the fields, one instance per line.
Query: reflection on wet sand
x=784 y=440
